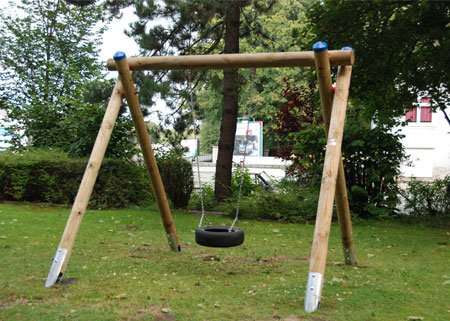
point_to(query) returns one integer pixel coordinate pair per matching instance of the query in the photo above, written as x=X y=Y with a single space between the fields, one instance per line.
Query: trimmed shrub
x=177 y=177
x=53 y=177
x=286 y=204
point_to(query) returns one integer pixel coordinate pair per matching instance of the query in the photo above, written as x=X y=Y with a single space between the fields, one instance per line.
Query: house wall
x=428 y=145
x=3 y=137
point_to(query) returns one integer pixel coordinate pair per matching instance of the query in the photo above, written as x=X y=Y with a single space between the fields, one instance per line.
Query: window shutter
x=426 y=100
x=411 y=115
x=425 y=114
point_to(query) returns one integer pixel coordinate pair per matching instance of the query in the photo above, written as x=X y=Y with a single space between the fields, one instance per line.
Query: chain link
x=242 y=164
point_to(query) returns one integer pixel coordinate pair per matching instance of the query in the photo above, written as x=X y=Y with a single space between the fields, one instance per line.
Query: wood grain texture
x=91 y=173
x=326 y=98
x=330 y=171
x=146 y=147
x=232 y=61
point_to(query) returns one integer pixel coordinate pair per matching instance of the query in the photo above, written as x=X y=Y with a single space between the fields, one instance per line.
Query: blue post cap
x=119 y=55
x=320 y=46
x=347 y=48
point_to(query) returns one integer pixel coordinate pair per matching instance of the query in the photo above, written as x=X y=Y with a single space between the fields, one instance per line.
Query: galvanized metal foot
x=173 y=242
x=55 y=274
x=349 y=256
x=313 y=289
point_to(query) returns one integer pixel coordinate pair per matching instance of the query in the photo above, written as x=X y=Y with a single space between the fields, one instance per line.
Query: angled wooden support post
x=326 y=97
x=327 y=191
x=87 y=184
x=147 y=150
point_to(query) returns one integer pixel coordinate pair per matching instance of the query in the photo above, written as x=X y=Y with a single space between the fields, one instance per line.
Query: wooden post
x=343 y=210
x=146 y=147
x=87 y=184
x=233 y=61
x=327 y=191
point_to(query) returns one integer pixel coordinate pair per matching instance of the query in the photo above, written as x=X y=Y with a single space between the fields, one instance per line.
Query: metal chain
x=201 y=190
x=198 y=165
x=242 y=165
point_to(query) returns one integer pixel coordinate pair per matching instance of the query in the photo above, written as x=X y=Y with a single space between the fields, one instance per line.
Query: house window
x=411 y=115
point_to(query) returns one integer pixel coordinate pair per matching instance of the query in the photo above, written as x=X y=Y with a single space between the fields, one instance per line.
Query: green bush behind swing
x=53 y=177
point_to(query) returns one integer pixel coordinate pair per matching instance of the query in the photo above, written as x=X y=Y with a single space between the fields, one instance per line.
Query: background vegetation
x=55 y=178
x=53 y=87
x=57 y=101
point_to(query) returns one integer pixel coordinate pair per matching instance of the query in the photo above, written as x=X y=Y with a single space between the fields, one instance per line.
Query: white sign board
x=253 y=146
x=190 y=147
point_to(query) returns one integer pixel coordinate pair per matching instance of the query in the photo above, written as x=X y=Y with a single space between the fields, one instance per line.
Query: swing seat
x=219 y=236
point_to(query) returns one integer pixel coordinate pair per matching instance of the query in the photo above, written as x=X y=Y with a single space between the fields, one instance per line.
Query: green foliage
x=242 y=176
x=285 y=204
x=83 y=123
x=45 y=176
x=267 y=31
x=249 y=186
x=401 y=47
x=428 y=199
x=177 y=177
x=372 y=159
x=209 y=201
x=288 y=202
x=51 y=86
x=372 y=155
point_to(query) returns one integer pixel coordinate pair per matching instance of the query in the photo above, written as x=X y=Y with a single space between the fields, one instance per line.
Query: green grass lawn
x=121 y=268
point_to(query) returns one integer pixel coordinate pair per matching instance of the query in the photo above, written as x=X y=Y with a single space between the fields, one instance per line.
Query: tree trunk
x=442 y=108
x=230 y=107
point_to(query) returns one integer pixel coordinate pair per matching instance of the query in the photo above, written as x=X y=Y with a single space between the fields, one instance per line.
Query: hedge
x=55 y=178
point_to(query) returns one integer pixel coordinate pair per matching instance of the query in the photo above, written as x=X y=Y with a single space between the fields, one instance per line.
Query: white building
x=4 y=136
x=427 y=142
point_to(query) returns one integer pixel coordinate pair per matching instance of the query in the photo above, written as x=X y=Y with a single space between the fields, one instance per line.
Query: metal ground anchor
x=173 y=242
x=349 y=256
x=313 y=288
x=55 y=274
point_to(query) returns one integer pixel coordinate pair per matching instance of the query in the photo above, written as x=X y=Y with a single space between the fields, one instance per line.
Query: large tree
x=260 y=91
x=51 y=80
x=402 y=50
x=195 y=27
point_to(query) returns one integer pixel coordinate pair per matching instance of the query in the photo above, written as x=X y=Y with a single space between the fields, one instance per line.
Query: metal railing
x=201 y=158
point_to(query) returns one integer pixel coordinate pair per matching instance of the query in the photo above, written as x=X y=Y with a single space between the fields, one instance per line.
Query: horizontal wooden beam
x=233 y=61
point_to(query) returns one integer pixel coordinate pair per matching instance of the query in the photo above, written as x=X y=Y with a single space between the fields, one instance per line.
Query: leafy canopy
x=402 y=50
x=51 y=85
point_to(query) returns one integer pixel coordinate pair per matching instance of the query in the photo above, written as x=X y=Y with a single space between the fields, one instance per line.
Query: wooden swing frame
x=333 y=179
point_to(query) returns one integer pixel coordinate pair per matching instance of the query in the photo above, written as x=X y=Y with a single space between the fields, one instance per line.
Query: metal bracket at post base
x=349 y=256
x=313 y=289
x=173 y=242
x=55 y=274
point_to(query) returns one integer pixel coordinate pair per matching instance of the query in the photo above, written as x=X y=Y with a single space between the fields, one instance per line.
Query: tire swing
x=219 y=236
x=222 y=236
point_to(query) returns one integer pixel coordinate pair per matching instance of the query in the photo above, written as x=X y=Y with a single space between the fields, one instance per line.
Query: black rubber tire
x=219 y=236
